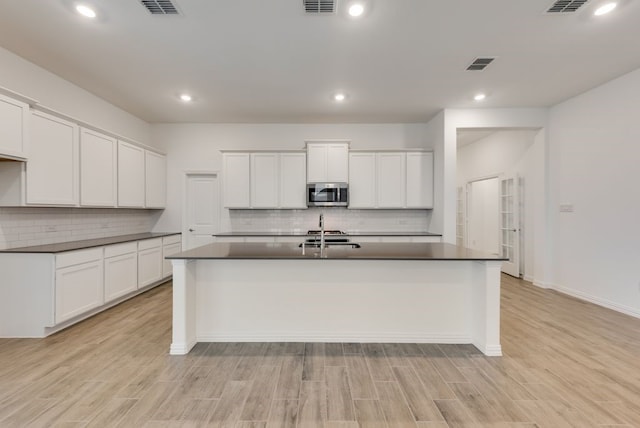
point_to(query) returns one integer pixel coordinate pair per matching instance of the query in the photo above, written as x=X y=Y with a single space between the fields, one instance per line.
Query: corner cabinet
x=14 y=115
x=52 y=169
x=264 y=180
x=391 y=180
x=131 y=176
x=98 y=168
x=327 y=162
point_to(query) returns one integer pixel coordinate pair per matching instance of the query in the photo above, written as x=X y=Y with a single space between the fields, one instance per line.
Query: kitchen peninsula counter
x=381 y=292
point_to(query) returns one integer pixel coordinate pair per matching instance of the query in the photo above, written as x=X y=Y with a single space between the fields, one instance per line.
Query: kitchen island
x=380 y=292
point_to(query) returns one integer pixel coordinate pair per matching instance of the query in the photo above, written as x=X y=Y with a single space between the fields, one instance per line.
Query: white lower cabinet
x=41 y=293
x=149 y=261
x=120 y=270
x=170 y=245
x=78 y=287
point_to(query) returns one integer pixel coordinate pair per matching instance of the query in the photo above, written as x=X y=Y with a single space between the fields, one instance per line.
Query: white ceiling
x=266 y=61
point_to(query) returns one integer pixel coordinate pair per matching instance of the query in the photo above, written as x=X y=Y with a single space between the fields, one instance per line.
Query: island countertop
x=303 y=233
x=367 y=251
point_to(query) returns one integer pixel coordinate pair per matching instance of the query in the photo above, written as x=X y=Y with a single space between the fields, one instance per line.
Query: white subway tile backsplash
x=335 y=218
x=21 y=227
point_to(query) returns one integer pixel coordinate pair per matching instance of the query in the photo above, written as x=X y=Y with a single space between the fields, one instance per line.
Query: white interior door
x=509 y=225
x=202 y=217
x=483 y=214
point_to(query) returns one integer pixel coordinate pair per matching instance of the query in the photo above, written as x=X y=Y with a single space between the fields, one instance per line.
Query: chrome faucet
x=321 y=225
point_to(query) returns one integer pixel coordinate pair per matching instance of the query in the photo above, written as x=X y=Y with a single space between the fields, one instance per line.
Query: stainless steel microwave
x=327 y=195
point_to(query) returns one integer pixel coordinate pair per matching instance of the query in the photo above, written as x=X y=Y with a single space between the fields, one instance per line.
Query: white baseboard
x=333 y=337
x=493 y=351
x=181 y=348
x=597 y=300
x=528 y=278
x=542 y=284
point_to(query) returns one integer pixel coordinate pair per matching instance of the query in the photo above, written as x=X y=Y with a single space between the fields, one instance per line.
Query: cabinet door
x=316 y=163
x=293 y=172
x=391 y=180
x=79 y=289
x=52 y=170
x=419 y=180
x=120 y=275
x=98 y=157
x=130 y=175
x=155 y=180
x=362 y=180
x=264 y=180
x=167 y=250
x=149 y=266
x=237 y=181
x=337 y=163
x=13 y=127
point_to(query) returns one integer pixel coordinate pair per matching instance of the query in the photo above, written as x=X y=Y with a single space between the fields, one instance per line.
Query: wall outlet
x=51 y=228
x=566 y=208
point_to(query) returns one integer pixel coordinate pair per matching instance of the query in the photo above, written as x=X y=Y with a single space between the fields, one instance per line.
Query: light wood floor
x=567 y=364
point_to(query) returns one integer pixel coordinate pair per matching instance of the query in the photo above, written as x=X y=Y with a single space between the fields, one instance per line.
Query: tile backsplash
x=21 y=227
x=335 y=218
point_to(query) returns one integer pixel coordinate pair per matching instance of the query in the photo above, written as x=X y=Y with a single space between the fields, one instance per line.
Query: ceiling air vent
x=160 y=7
x=566 y=6
x=319 y=6
x=480 y=64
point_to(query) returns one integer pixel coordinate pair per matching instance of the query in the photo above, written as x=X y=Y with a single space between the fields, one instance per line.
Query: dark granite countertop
x=368 y=251
x=87 y=243
x=304 y=233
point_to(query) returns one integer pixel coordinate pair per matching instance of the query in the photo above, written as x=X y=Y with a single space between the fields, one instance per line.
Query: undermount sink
x=330 y=244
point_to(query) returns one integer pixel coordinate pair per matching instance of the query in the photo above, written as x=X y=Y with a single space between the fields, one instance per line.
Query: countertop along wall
x=196 y=147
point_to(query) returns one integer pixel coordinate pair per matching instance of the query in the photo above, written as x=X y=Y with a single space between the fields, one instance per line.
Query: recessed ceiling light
x=339 y=97
x=86 y=11
x=186 y=98
x=356 y=10
x=479 y=97
x=605 y=8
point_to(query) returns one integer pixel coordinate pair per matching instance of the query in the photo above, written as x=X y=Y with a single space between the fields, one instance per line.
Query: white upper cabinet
x=131 y=176
x=237 y=180
x=362 y=180
x=155 y=180
x=327 y=162
x=293 y=172
x=13 y=128
x=98 y=158
x=391 y=180
x=52 y=169
x=264 y=180
x=419 y=180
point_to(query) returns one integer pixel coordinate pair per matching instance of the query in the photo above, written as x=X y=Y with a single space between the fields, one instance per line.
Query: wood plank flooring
x=566 y=363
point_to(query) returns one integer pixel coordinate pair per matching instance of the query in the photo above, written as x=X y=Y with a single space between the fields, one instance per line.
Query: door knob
x=191 y=230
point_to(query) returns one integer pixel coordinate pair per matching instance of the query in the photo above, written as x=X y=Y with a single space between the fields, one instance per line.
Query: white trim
x=320 y=336
x=492 y=351
x=528 y=278
x=181 y=349
x=627 y=310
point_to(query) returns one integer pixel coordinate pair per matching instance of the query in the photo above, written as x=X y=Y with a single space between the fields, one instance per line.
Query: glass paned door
x=509 y=225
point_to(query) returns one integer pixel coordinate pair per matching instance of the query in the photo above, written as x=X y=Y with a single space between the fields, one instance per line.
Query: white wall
x=594 y=165
x=50 y=90
x=512 y=152
x=196 y=147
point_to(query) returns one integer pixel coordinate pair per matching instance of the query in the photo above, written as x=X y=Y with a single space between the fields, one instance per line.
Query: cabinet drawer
x=173 y=239
x=149 y=243
x=120 y=249
x=77 y=257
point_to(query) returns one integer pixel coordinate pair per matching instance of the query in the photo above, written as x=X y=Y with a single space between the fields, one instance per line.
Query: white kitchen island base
x=334 y=300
